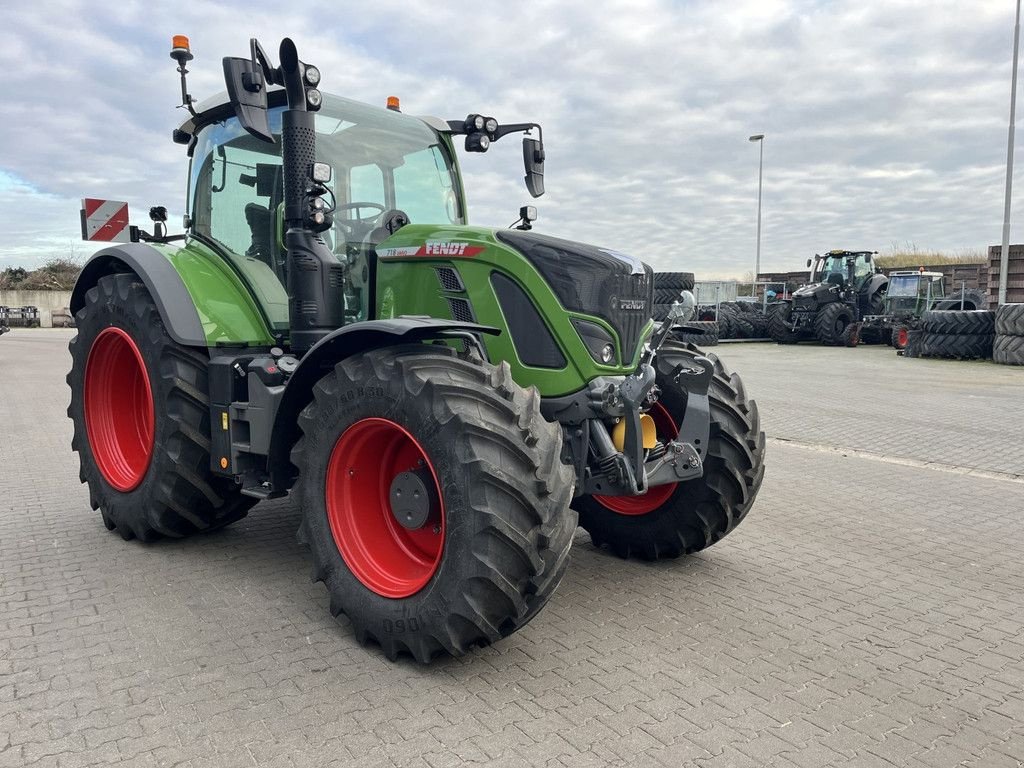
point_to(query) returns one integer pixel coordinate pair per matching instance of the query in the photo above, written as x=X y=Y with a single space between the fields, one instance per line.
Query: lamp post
x=759 y=138
x=1004 y=256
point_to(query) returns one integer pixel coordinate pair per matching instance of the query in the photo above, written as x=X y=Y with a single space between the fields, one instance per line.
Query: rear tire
x=957 y=346
x=1008 y=350
x=141 y=414
x=501 y=508
x=744 y=327
x=1010 y=320
x=966 y=322
x=831 y=326
x=693 y=515
x=973 y=298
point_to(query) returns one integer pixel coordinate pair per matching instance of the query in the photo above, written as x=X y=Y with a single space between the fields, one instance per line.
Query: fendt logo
x=432 y=248
x=632 y=305
x=449 y=249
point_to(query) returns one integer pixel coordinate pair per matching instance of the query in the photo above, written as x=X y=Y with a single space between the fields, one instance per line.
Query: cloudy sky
x=885 y=119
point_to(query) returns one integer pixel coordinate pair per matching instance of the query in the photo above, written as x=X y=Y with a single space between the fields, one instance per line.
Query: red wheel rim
x=386 y=557
x=901 y=338
x=118 y=409
x=659 y=494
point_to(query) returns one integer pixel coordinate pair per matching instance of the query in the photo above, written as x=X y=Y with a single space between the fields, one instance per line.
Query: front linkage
x=636 y=461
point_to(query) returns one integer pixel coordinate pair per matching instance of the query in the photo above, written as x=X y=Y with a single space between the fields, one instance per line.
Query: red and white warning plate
x=105 y=220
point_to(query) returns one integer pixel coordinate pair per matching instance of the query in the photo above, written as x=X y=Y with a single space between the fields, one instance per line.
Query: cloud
x=885 y=122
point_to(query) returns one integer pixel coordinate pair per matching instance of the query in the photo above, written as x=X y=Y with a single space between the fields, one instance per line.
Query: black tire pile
x=958 y=334
x=1008 y=348
x=741 y=320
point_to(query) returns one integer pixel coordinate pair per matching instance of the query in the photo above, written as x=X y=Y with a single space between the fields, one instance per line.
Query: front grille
x=461 y=310
x=629 y=293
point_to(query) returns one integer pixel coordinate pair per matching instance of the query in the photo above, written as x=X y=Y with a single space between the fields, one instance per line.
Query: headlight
x=475 y=122
x=598 y=341
x=312 y=75
x=490 y=125
x=314 y=98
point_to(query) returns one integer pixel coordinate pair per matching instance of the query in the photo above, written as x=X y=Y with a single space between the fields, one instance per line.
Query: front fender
x=345 y=342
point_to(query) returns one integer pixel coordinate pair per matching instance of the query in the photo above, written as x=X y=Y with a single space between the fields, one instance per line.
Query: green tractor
x=911 y=293
x=445 y=402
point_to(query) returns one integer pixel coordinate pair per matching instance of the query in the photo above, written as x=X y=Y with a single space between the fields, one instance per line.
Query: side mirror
x=868 y=258
x=533 y=163
x=247 y=90
x=808 y=263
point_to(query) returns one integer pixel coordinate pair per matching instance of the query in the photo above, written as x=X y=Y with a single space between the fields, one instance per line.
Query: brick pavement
x=866 y=613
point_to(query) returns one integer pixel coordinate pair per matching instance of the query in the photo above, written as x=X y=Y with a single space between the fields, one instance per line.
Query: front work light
x=477 y=142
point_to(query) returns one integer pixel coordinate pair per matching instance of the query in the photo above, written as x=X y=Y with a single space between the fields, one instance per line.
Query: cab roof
x=218 y=107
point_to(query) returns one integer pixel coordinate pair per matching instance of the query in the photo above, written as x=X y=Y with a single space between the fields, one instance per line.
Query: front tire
x=778 y=324
x=831 y=326
x=492 y=543
x=141 y=415
x=671 y=520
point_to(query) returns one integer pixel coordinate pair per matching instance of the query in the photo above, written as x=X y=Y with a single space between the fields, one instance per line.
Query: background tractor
x=910 y=294
x=443 y=401
x=843 y=288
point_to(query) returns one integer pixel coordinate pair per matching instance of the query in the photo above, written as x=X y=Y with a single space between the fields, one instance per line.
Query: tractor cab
x=913 y=292
x=843 y=269
x=389 y=169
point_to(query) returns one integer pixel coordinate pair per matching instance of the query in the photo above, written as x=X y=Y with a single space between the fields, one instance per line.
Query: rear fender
x=345 y=342
x=875 y=284
x=172 y=298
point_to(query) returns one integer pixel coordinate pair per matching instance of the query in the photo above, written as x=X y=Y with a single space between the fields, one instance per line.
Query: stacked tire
x=702 y=333
x=741 y=320
x=667 y=287
x=1008 y=348
x=958 y=334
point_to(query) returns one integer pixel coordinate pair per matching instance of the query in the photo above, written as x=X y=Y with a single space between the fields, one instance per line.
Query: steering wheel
x=357 y=225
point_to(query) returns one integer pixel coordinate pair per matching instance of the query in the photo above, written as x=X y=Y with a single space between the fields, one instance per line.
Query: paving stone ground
x=869 y=611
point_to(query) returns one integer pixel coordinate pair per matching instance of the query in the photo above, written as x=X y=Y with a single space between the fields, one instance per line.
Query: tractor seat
x=259 y=220
x=835 y=278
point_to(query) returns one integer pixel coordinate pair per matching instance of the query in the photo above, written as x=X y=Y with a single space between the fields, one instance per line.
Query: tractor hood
x=820 y=292
x=814 y=295
x=614 y=286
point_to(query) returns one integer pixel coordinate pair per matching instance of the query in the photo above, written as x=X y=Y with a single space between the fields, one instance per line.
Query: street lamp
x=1004 y=254
x=759 y=138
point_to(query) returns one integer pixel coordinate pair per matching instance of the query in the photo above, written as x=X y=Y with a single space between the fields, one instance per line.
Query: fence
x=715 y=291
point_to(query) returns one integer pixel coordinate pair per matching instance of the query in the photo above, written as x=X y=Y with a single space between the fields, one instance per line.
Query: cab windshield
x=382 y=161
x=903 y=285
x=837 y=269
